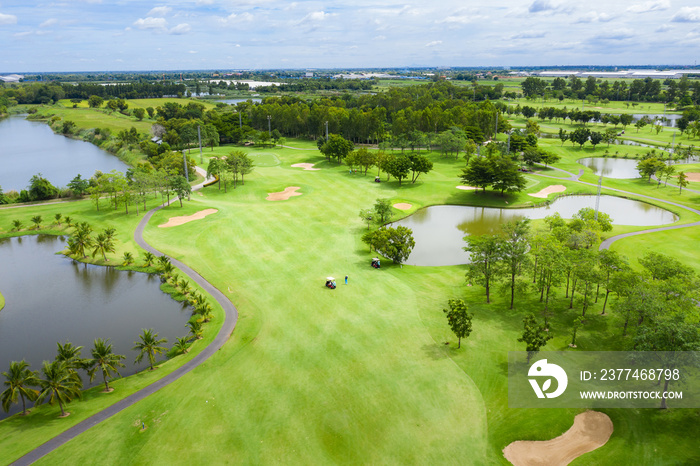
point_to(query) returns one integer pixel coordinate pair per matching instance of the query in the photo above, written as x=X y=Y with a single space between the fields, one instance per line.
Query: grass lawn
x=2 y=301
x=360 y=374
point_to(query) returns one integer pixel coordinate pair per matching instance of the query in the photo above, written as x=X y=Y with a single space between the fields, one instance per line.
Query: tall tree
x=18 y=381
x=478 y=173
x=459 y=320
x=514 y=248
x=103 y=245
x=149 y=346
x=59 y=384
x=484 y=253
x=104 y=360
x=535 y=336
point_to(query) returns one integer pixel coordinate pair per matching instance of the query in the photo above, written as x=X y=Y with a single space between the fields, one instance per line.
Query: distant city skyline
x=133 y=35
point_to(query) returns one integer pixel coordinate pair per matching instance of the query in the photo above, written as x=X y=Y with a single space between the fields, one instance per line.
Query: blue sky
x=110 y=35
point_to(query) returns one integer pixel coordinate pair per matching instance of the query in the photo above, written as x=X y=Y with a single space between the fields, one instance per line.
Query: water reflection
x=439 y=230
x=612 y=167
x=51 y=298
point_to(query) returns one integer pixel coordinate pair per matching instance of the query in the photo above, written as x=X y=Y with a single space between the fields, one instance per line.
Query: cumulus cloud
x=234 y=18
x=615 y=35
x=434 y=43
x=159 y=11
x=151 y=23
x=316 y=16
x=48 y=22
x=540 y=5
x=180 y=29
x=593 y=17
x=529 y=35
x=687 y=14
x=646 y=7
x=663 y=28
x=8 y=19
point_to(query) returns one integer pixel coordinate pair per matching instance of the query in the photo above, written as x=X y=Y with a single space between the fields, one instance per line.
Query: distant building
x=628 y=74
x=309 y=74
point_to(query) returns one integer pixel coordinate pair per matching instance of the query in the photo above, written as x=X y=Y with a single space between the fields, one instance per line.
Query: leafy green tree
x=649 y=166
x=595 y=138
x=95 y=101
x=578 y=322
x=149 y=346
x=59 y=384
x=419 y=164
x=336 y=147
x=139 y=113
x=399 y=245
x=514 y=248
x=506 y=176
x=57 y=219
x=535 y=336
x=459 y=320
x=81 y=240
x=41 y=189
x=18 y=381
x=478 y=173
x=366 y=215
x=104 y=360
x=682 y=181
x=383 y=209
x=484 y=254
x=17 y=225
x=180 y=187
x=216 y=168
x=400 y=167
x=580 y=136
x=563 y=136
x=611 y=263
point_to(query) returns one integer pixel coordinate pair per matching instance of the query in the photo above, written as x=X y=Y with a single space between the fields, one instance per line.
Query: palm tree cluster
x=37 y=220
x=81 y=241
x=60 y=382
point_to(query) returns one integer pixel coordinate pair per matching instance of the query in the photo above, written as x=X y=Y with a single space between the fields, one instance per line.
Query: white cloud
x=540 y=5
x=205 y=2
x=663 y=28
x=8 y=19
x=23 y=34
x=529 y=35
x=193 y=51
x=159 y=11
x=687 y=15
x=316 y=16
x=151 y=23
x=379 y=38
x=593 y=17
x=434 y=43
x=234 y=18
x=650 y=6
x=48 y=22
x=180 y=29
x=618 y=34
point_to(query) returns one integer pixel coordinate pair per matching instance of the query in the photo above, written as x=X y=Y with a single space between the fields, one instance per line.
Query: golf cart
x=377 y=179
x=330 y=283
x=375 y=263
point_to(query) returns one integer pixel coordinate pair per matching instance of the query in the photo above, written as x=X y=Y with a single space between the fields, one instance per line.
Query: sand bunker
x=693 y=176
x=175 y=221
x=403 y=206
x=284 y=195
x=591 y=430
x=305 y=166
x=555 y=188
x=467 y=188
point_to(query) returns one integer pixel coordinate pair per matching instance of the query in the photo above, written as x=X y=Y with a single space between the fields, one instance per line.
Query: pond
x=51 y=298
x=31 y=147
x=236 y=101
x=439 y=231
x=612 y=167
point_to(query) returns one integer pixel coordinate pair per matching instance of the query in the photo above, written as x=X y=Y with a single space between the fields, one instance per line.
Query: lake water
x=31 y=147
x=236 y=101
x=439 y=231
x=612 y=167
x=50 y=298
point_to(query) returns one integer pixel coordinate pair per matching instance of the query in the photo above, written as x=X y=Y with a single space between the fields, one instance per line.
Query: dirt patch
x=284 y=195
x=175 y=221
x=693 y=176
x=305 y=166
x=403 y=206
x=467 y=188
x=555 y=188
x=591 y=430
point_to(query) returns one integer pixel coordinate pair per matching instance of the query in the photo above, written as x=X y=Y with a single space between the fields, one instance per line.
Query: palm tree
x=17 y=224
x=70 y=355
x=58 y=219
x=204 y=312
x=149 y=258
x=182 y=345
x=149 y=346
x=103 y=244
x=195 y=327
x=60 y=384
x=128 y=258
x=163 y=262
x=184 y=286
x=19 y=379
x=68 y=220
x=110 y=232
x=81 y=239
x=36 y=220
x=104 y=360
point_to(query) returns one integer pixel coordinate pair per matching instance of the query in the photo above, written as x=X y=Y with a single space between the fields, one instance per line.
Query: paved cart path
x=231 y=317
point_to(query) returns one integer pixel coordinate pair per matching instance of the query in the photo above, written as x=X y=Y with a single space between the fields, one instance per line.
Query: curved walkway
x=606 y=243
x=230 y=320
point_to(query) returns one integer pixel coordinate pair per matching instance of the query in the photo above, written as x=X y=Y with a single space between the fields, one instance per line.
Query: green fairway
x=2 y=301
x=366 y=373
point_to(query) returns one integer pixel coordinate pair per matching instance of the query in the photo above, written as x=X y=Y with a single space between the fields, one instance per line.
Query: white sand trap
x=284 y=195
x=403 y=206
x=175 y=221
x=467 y=188
x=693 y=176
x=555 y=188
x=591 y=430
x=305 y=166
